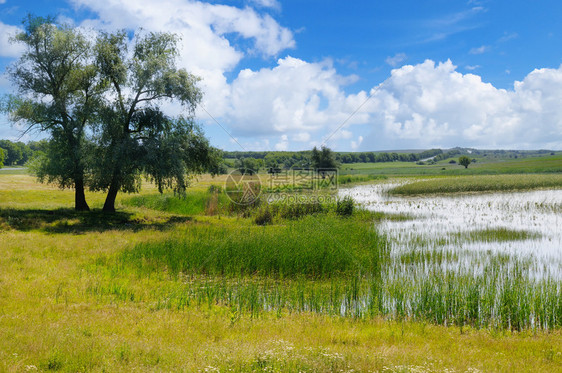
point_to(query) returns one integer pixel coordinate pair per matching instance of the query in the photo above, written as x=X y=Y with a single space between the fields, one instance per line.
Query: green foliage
x=323 y=158
x=464 y=161
x=18 y=153
x=2 y=157
x=134 y=135
x=13 y=152
x=313 y=247
x=217 y=165
x=58 y=87
x=214 y=188
x=67 y=85
x=248 y=165
x=345 y=206
x=263 y=216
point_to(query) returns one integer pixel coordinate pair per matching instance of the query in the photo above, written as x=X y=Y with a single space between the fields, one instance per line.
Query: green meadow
x=197 y=284
x=482 y=166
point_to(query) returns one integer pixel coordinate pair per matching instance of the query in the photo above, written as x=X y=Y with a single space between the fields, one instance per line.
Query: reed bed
x=359 y=178
x=313 y=247
x=493 y=235
x=497 y=297
x=308 y=256
x=337 y=266
x=481 y=183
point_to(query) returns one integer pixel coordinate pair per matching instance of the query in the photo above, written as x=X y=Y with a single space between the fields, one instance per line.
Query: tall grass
x=195 y=202
x=359 y=178
x=312 y=247
x=342 y=267
x=480 y=183
x=499 y=296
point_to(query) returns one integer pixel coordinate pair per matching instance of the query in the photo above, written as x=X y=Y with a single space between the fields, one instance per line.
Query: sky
x=354 y=76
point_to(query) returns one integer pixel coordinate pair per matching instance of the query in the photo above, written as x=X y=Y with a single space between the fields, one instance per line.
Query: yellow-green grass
x=480 y=183
x=51 y=318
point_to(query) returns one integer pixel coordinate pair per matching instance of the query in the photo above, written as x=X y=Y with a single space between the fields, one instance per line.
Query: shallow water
x=436 y=218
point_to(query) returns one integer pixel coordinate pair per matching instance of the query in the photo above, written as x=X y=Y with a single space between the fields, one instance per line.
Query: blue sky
x=363 y=75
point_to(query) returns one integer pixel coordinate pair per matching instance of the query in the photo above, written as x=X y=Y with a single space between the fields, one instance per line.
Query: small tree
x=323 y=158
x=464 y=161
x=1 y=157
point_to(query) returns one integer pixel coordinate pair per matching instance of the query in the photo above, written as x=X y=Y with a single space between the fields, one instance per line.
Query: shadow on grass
x=71 y=221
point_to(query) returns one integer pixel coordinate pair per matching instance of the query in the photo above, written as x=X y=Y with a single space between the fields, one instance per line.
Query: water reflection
x=443 y=222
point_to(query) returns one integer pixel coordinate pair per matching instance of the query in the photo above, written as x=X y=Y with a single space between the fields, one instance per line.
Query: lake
x=448 y=223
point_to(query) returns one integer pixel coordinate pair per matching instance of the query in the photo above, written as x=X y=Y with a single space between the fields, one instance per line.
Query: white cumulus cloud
x=434 y=105
x=295 y=103
x=293 y=97
x=204 y=28
x=418 y=106
x=7 y=48
x=193 y=19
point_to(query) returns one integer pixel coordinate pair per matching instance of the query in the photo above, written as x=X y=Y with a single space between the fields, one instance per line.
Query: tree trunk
x=109 y=205
x=80 y=203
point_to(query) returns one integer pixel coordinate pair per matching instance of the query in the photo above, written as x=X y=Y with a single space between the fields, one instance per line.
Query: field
x=483 y=166
x=195 y=285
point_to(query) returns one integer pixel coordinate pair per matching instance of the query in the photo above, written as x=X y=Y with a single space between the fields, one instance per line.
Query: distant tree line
x=275 y=159
x=257 y=160
x=17 y=153
x=286 y=160
x=377 y=157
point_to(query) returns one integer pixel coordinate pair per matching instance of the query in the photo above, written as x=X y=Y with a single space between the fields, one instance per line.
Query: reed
x=341 y=267
x=313 y=247
x=480 y=183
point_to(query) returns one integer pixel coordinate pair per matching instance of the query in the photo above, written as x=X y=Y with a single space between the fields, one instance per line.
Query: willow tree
x=58 y=90
x=134 y=135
